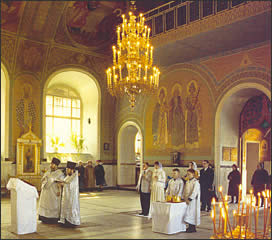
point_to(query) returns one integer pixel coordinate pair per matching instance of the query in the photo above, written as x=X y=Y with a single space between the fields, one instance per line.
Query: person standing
x=206 y=182
x=175 y=185
x=192 y=196
x=81 y=171
x=234 y=178
x=143 y=187
x=89 y=176
x=158 y=183
x=99 y=175
x=49 y=205
x=192 y=165
x=258 y=181
x=70 y=211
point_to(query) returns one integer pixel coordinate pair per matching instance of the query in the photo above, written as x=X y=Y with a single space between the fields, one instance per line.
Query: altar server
x=158 y=183
x=70 y=213
x=49 y=205
x=175 y=185
x=192 y=197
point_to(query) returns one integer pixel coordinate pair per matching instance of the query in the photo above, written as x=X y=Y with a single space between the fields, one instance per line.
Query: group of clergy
x=151 y=186
x=59 y=199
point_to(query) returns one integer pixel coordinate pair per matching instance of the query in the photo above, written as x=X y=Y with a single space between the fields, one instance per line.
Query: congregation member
x=206 y=185
x=99 y=175
x=70 y=211
x=89 y=176
x=50 y=199
x=234 y=178
x=158 y=183
x=81 y=171
x=175 y=185
x=192 y=195
x=192 y=165
x=143 y=187
x=258 y=181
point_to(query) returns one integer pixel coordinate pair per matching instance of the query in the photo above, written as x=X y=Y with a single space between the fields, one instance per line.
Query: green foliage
x=78 y=143
x=55 y=143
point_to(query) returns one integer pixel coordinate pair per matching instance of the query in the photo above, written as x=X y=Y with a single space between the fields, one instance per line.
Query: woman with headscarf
x=192 y=165
x=158 y=183
x=234 y=178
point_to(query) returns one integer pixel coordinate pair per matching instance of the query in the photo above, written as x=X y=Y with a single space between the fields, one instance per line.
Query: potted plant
x=78 y=143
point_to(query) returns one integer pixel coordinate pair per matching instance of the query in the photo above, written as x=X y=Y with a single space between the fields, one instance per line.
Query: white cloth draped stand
x=168 y=217
x=23 y=206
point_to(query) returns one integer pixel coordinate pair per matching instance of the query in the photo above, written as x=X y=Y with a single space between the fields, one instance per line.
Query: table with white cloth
x=168 y=217
x=23 y=206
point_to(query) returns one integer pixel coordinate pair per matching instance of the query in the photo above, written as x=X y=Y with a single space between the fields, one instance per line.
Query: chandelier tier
x=132 y=71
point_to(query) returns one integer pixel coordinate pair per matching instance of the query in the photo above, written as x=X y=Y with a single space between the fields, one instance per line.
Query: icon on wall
x=106 y=146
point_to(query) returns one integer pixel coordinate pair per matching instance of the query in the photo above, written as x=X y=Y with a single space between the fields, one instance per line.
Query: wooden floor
x=110 y=214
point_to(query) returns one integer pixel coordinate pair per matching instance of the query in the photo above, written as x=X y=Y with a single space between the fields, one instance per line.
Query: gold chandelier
x=132 y=71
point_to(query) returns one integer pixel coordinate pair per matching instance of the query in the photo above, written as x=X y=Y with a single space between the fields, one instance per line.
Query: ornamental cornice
x=218 y=20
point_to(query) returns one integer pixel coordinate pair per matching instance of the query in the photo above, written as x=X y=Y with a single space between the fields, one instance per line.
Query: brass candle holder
x=245 y=219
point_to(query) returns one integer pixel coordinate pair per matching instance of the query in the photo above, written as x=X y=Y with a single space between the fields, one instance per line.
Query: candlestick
x=265 y=215
x=220 y=215
x=239 y=198
x=213 y=218
x=220 y=190
x=234 y=216
x=258 y=208
x=255 y=218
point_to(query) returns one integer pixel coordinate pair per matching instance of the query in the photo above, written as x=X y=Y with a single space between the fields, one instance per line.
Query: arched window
x=63 y=119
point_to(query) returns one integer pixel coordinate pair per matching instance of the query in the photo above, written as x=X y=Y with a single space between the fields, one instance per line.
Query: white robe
x=157 y=186
x=70 y=200
x=49 y=205
x=175 y=187
x=192 y=191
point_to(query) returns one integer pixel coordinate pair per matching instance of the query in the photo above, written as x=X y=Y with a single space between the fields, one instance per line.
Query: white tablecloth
x=168 y=217
x=23 y=206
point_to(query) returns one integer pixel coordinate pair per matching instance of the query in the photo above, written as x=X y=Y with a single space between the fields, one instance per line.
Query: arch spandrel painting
x=177 y=116
x=92 y=23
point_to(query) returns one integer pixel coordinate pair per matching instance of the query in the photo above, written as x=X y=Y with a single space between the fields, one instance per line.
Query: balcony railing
x=175 y=14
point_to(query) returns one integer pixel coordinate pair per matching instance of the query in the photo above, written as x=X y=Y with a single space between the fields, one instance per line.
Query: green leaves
x=78 y=142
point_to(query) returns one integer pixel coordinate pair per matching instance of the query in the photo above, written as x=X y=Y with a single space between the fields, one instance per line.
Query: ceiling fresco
x=92 y=23
x=11 y=12
x=88 y=25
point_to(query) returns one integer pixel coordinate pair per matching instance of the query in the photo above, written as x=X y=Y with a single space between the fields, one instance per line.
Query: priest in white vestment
x=175 y=185
x=191 y=195
x=70 y=211
x=49 y=205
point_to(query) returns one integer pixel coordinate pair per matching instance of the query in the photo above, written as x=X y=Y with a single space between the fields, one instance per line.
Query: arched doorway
x=227 y=129
x=76 y=96
x=4 y=112
x=129 y=161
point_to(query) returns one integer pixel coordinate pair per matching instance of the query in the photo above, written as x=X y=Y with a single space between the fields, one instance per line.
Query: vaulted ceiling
x=86 y=25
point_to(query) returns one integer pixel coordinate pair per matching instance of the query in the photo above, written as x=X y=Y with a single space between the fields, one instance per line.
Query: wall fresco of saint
x=178 y=117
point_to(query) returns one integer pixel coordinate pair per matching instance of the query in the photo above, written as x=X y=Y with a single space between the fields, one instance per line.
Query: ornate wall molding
x=251 y=8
